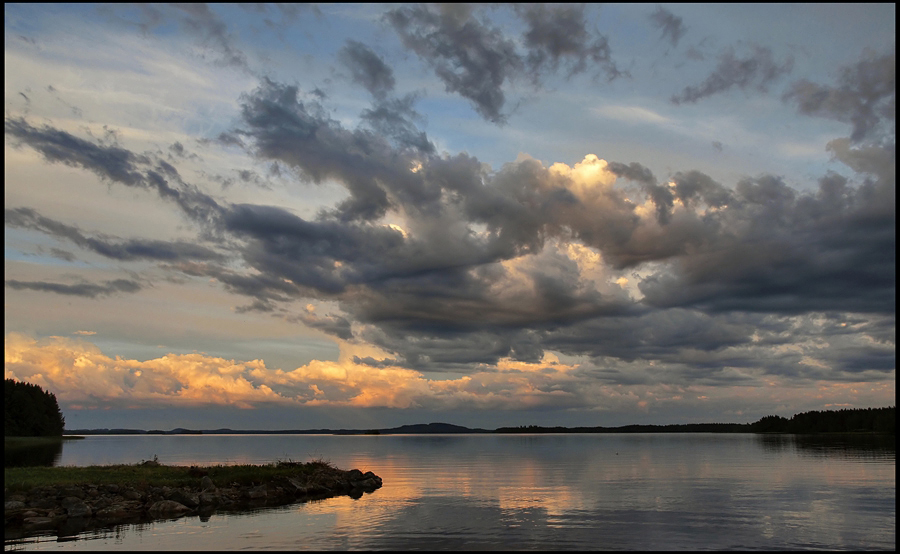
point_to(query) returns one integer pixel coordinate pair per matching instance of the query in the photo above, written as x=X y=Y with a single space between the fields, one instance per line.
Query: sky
x=362 y=216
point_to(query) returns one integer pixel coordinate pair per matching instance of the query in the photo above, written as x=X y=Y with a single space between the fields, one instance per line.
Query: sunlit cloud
x=85 y=378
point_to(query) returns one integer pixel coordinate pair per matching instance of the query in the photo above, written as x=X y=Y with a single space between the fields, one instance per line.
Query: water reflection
x=629 y=492
x=30 y=453
x=859 y=446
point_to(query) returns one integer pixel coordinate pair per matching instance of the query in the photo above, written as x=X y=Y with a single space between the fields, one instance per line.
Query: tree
x=30 y=411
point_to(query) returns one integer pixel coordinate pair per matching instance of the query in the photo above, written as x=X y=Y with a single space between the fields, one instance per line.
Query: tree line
x=878 y=420
x=873 y=420
x=30 y=411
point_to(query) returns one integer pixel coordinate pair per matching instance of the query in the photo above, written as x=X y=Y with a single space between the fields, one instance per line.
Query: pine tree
x=30 y=411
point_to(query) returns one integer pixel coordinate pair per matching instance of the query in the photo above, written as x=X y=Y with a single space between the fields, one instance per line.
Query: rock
x=132 y=495
x=72 y=491
x=208 y=499
x=188 y=499
x=206 y=484
x=113 y=488
x=75 y=507
x=168 y=507
x=43 y=503
x=13 y=505
x=118 y=511
x=256 y=493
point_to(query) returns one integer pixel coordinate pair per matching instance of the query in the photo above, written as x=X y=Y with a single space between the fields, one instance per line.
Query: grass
x=153 y=474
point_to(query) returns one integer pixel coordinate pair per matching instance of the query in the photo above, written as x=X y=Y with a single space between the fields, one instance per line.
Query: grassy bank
x=151 y=474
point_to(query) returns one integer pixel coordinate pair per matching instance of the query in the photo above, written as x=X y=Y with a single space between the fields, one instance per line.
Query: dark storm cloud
x=756 y=70
x=865 y=97
x=780 y=251
x=119 y=250
x=476 y=60
x=88 y=290
x=762 y=247
x=367 y=69
x=669 y=24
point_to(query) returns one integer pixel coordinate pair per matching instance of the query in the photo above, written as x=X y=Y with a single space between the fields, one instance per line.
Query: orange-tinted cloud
x=82 y=376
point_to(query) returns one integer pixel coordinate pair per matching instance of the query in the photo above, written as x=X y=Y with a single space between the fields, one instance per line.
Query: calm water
x=546 y=492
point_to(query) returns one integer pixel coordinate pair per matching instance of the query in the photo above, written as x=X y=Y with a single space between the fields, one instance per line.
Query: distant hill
x=430 y=428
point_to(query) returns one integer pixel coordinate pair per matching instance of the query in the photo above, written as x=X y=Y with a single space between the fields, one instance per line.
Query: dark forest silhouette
x=873 y=420
x=30 y=411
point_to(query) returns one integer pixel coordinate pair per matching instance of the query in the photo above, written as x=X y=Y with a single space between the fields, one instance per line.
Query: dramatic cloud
x=596 y=255
x=756 y=70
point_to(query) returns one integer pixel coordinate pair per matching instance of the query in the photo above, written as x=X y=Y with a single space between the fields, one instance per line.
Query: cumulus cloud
x=756 y=70
x=83 y=377
x=446 y=264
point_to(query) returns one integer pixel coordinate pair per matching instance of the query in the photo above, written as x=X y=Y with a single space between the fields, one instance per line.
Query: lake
x=532 y=492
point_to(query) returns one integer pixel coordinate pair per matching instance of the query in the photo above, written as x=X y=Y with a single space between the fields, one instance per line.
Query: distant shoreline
x=855 y=421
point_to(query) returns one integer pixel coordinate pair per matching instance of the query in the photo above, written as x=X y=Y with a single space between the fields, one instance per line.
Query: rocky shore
x=72 y=509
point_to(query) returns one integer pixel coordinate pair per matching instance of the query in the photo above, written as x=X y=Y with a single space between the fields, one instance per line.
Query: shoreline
x=80 y=501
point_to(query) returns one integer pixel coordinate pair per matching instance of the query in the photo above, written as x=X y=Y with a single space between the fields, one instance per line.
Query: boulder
x=168 y=508
x=75 y=507
x=206 y=484
x=188 y=499
x=208 y=498
x=256 y=493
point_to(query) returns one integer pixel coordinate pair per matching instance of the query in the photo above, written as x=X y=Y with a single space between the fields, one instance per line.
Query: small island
x=70 y=500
